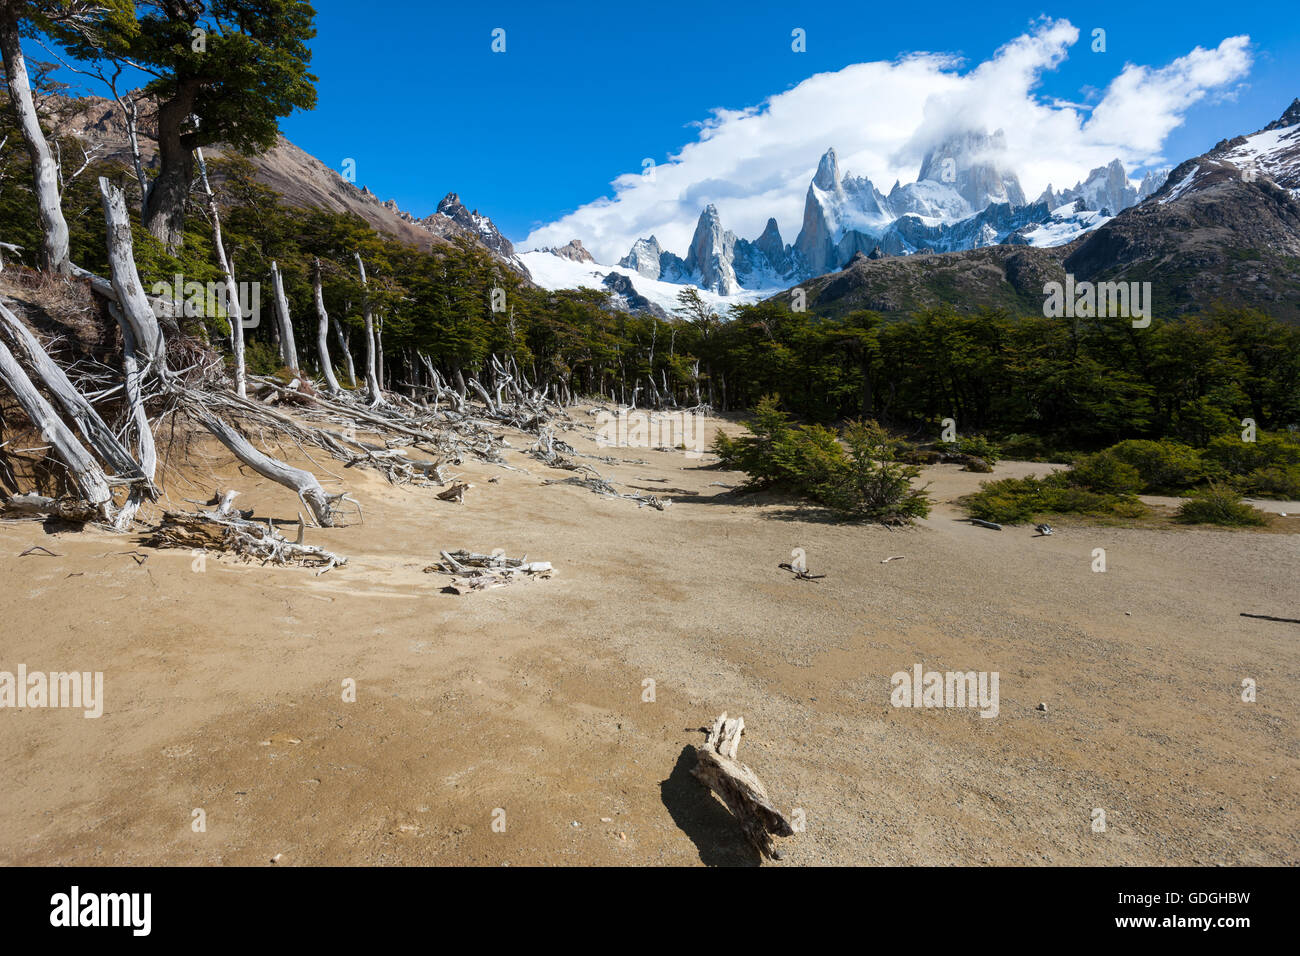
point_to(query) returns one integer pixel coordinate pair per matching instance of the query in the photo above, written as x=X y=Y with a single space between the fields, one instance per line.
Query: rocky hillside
x=302 y=179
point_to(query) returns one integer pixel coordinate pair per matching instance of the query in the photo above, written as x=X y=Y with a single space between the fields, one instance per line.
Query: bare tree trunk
x=379 y=349
x=54 y=251
x=322 y=330
x=234 y=313
x=288 y=348
x=126 y=280
x=372 y=377
x=346 y=346
x=132 y=376
x=304 y=483
x=86 y=472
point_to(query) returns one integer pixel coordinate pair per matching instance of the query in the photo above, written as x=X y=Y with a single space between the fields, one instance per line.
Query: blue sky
x=586 y=91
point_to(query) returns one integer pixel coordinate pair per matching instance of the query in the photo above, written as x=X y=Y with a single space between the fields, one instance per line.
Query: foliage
x=1219 y=504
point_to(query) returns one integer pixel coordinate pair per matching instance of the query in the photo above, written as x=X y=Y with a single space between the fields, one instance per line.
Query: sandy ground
x=224 y=685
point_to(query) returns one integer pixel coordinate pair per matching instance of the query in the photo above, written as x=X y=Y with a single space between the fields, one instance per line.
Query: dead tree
x=45 y=174
x=133 y=373
x=234 y=308
x=303 y=483
x=372 y=376
x=322 y=331
x=86 y=473
x=346 y=346
x=136 y=308
x=288 y=348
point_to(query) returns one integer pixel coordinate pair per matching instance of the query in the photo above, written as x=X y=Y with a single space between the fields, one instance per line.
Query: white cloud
x=881 y=117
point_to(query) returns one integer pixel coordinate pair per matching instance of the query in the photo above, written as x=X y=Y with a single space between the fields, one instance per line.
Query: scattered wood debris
x=801 y=573
x=894 y=557
x=600 y=486
x=456 y=492
x=739 y=787
x=227 y=530
x=1269 y=617
x=36 y=547
x=478 y=572
x=986 y=524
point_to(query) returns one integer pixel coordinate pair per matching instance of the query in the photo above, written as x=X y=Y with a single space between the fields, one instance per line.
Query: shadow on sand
x=703 y=818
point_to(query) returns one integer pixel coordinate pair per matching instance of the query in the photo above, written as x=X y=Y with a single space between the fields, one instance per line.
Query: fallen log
x=739 y=787
x=92 y=426
x=304 y=483
x=86 y=473
x=67 y=509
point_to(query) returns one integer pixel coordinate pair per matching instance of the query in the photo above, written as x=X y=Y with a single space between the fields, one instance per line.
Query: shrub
x=873 y=483
x=976 y=446
x=1162 y=465
x=1220 y=505
x=867 y=481
x=1105 y=473
x=1018 y=500
x=1237 y=457
x=1276 y=481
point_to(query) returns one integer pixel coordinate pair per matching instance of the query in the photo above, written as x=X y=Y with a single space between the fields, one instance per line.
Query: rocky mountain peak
x=1289 y=118
x=828 y=172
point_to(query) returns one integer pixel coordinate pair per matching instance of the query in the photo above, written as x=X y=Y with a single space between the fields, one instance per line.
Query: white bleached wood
x=86 y=473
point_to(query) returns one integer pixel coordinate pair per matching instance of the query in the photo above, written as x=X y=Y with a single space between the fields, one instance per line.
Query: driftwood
x=1269 y=617
x=456 y=492
x=802 y=573
x=93 y=428
x=37 y=506
x=85 y=470
x=478 y=572
x=602 y=487
x=739 y=787
x=304 y=483
x=229 y=531
x=991 y=525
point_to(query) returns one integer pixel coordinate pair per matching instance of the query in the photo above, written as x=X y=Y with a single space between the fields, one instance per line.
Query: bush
x=1276 y=481
x=1237 y=457
x=1018 y=500
x=1161 y=465
x=975 y=445
x=873 y=483
x=1105 y=473
x=1220 y=505
x=866 y=482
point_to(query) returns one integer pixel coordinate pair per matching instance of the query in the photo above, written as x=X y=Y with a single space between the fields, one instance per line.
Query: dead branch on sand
x=739 y=787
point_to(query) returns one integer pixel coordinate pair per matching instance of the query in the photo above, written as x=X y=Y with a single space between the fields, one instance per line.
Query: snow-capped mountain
x=965 y=197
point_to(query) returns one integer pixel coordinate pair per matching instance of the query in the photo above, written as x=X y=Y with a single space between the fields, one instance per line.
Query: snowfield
x=553 y=272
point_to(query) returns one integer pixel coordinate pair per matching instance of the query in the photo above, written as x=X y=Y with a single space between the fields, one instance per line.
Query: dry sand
x=223 y=686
